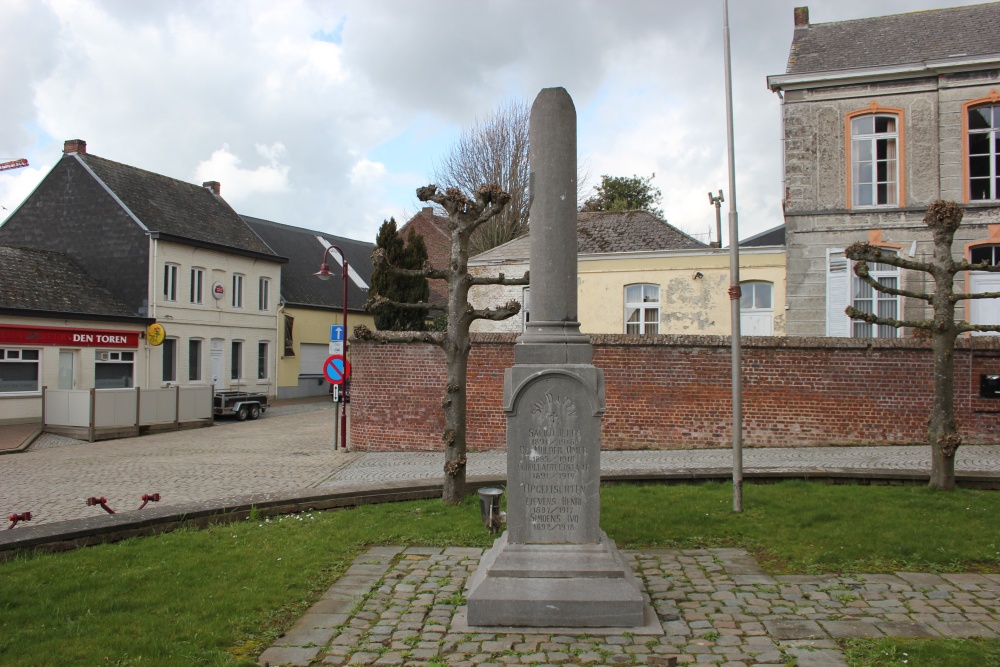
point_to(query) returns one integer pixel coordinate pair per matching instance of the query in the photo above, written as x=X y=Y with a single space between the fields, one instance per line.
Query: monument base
x=549 y=585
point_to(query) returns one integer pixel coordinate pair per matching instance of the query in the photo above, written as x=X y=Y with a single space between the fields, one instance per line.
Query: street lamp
x=324 y=274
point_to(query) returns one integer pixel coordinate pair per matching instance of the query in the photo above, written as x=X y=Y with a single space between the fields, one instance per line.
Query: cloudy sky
x=329 y=114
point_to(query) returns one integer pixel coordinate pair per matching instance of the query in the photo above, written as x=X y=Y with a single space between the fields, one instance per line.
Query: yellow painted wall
x=311 y=326
x=688 y=305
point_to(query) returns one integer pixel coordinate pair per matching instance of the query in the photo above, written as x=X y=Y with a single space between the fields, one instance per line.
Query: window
x=197 y=285
x=874 y=169
x=526 y=306
x=984 y=145
x=236 y=365
x=237 y=290
x=756 y=309
x=19 y=370
x=262 y=360
x=263 y=298
x=867 y=299
x=642 y=309
x=170 y=282
x=169 y=348
x=289 y=341
x=194 y=360
x=113 y=369
x=984 y=311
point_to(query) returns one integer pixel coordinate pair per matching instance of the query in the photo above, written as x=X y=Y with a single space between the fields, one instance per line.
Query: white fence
x=103 y=413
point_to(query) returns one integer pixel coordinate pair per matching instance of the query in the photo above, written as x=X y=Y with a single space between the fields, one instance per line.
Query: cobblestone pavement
x=382 y=467
x=291 y=448
x=398 y=606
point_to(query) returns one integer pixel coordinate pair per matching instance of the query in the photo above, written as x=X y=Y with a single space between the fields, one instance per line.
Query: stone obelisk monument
x=554 y=567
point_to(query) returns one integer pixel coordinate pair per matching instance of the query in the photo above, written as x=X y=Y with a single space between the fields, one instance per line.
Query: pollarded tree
x=411 y=254
x=465 y=216
x=943 y=218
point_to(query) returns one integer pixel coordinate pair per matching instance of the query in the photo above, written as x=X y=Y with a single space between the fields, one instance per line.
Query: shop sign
x=155 y=334
x=10 y=335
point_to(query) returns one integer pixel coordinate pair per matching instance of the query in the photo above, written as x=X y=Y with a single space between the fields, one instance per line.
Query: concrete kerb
x=75 y=533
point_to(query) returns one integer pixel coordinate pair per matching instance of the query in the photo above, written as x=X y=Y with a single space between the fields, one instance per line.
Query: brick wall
x=674 y=392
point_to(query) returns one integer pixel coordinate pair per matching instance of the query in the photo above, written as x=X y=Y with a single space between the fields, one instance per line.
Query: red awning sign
x=336 y=369
x=19 y=335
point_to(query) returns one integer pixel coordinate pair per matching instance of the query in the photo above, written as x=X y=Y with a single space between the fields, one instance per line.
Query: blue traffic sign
x=336 y=332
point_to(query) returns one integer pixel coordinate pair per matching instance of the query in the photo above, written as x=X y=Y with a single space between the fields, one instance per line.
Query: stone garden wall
x=674 y=392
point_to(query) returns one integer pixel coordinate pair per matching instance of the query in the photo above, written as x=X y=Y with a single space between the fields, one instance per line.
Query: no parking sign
x=336 y=369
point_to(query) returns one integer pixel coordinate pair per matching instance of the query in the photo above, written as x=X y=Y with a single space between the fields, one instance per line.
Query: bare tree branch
x=980 y=266
x=965 y=326
x=375 y=301
x=500 y=280
x=864 y=251
x=508 y=310
x=861 y=271
x=978 y=295
x=872 y=318
x=361 y=332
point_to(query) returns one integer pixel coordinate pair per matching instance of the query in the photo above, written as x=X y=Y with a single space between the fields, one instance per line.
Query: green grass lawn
x=221 y=595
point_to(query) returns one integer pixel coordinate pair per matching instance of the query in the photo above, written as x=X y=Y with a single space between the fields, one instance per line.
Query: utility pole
x=717 y=202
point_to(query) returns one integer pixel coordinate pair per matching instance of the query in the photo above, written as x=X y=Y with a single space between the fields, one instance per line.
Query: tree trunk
x=454 y=425
x=942 y=430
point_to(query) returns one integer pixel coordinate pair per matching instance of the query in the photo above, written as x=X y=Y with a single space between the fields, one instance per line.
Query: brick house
x=437 y=238
x=640 y=275
x=308 y=305
x=880 y=117
x=168 y=251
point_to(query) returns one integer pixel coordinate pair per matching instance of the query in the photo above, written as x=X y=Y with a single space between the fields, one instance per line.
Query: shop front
x=36 y=355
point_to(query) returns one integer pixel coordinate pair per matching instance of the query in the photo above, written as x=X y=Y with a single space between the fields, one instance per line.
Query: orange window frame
x=992 y=98
x=872 y=109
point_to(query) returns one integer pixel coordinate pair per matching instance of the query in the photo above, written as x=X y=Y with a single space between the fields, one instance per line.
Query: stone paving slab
x=410 y=613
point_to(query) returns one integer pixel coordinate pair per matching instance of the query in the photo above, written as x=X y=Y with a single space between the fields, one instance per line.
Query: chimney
x=75 y=146
x=214 y=186
x=801 y=17
x=428 y=211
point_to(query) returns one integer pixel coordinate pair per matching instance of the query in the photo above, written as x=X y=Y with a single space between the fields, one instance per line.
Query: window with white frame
x=642 y=309
x=874 y=160
x=984 y=311
x=237 y=290
x=262 y=349
x=756 y=308
x=169 y=351
x=197 y=285
x=113 y=369
x=236 y=360
x=867 y=299
x=19 y=370
x=194 y=360
x=263 y=295
x=170 y=282
x=984 y=146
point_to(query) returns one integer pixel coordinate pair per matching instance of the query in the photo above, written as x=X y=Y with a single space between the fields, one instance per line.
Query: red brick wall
x=674 y=392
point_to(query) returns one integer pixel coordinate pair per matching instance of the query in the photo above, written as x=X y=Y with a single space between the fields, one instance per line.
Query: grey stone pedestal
x=555 y=585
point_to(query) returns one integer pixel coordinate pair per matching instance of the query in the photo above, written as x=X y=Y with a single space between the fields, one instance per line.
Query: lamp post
x=324 y=274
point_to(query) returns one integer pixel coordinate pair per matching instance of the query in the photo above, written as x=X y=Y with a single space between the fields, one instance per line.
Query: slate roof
x=771 y=237
x=175 y=208
x=608 y=232
x=299 y=287
x=50 y=282
x=898 y=39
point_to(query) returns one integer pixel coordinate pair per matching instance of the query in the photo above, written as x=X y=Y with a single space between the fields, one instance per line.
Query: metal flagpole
x=734 y=280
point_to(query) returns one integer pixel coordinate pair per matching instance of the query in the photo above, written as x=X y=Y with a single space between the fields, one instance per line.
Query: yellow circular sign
x=155 y=334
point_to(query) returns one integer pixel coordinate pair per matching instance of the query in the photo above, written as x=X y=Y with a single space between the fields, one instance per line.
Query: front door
x=216 y=361
x=66 y=377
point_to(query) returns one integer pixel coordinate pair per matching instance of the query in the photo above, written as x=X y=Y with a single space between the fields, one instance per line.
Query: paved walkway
x=291 y=449
x=399 y=606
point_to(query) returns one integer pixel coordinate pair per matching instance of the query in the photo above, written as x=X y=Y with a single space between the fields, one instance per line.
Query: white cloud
x=238 y=183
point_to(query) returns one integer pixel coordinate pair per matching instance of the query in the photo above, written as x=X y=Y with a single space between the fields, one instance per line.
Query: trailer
x=241 y=404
